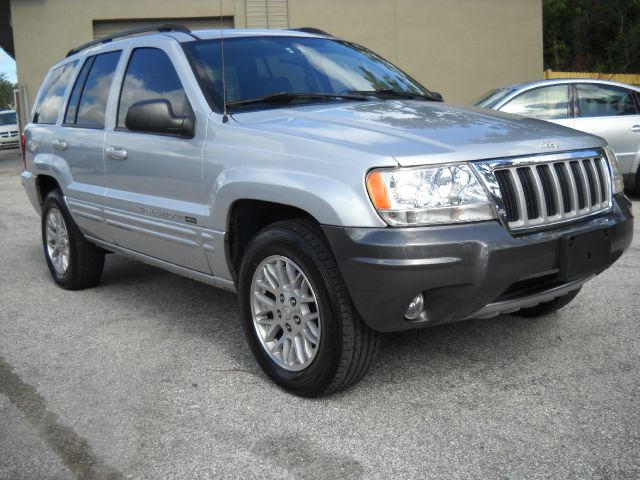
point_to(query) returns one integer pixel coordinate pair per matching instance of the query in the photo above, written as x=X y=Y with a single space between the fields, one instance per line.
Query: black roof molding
x=314 y=30
x=167 y=27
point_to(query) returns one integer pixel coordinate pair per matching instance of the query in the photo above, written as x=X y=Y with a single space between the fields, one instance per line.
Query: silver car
x=337 y=196
x=608 y=109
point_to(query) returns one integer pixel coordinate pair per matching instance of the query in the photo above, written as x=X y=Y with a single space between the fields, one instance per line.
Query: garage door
x=104 y=28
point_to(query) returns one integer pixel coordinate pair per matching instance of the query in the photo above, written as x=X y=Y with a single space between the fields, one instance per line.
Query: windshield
x=8 y=118
x=491 y=98
x=256 y=67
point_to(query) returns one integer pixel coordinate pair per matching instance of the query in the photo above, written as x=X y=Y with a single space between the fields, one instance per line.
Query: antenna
x=225 y=118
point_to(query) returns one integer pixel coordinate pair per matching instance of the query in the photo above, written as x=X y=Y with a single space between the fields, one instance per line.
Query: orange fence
x=632 y=78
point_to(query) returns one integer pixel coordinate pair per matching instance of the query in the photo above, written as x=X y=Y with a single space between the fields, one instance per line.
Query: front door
x=155 y=193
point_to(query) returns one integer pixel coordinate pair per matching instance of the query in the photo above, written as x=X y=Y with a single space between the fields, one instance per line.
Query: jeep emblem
x=549 y=144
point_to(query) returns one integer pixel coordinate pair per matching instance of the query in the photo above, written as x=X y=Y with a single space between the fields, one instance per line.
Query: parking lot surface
x=148 y=376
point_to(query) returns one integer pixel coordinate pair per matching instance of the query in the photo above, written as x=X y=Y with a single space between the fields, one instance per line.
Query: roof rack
x=167 y=27
x=314 y=30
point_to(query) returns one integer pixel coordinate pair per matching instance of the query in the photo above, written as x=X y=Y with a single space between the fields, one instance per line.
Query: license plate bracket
x=583 y=254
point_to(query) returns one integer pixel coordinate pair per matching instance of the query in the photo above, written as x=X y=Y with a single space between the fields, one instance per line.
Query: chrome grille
x=545 y=190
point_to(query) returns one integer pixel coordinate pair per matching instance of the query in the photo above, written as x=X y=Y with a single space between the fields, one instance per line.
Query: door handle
x=635 y=129
x=59 y=145
x=116 y=153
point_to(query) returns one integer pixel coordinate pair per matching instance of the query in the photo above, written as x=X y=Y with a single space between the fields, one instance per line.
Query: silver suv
x=335 y=194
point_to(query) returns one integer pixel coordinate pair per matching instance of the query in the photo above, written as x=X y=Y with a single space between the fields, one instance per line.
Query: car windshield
x=491 y=98
x=8 y=118
x=258 y=67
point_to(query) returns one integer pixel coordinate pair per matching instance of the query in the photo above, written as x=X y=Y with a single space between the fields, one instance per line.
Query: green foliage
x=592 y=35
x=6 y=92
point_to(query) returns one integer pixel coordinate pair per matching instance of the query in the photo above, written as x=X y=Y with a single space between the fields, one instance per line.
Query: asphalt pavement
x=148 y=376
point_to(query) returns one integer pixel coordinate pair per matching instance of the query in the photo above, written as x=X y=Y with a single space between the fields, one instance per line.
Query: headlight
x=616 y=176
x=429 y=195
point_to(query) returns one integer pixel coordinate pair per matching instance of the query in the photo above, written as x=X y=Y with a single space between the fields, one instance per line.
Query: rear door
x=80 y=141
x=550 y=102
x=157 y=203
x=611 y=112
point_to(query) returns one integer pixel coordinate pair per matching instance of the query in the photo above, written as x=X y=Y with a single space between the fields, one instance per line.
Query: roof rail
x=314 y=30
x=167 y=27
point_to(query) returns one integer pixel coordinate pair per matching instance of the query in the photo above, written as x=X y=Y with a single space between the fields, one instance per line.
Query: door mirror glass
x=156 y=116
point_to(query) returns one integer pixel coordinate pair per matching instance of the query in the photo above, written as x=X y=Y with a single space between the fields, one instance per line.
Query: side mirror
x=157 y=116
x=437 y=96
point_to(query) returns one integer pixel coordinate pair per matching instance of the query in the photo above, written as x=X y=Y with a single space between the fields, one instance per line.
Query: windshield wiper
x=287 y=97
x=390 y=92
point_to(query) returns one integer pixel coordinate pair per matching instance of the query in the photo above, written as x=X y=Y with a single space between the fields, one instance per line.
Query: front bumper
x=9 y=145
x=462 y=270
x=9 y=140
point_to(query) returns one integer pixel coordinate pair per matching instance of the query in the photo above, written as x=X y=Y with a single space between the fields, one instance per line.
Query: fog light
x=416 y=307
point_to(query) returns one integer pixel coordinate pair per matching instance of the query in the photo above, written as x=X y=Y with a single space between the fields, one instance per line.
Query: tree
x=6 y=92
x=592 y=35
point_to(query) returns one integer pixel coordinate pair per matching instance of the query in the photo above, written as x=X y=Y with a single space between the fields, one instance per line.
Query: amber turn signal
x=378 y=191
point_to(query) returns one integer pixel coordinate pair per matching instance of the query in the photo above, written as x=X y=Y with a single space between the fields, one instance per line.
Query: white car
x=9 y=134
x=608 y=109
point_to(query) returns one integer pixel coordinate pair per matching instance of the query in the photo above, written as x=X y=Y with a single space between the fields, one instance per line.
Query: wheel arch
x=44 y=185
x=246 y=218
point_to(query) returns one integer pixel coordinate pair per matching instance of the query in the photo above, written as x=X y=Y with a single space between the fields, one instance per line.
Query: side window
x=546 y=103
x=50 y=100
x=151 y=75
x=71 y=114
x=95 y=92
x=604 y=101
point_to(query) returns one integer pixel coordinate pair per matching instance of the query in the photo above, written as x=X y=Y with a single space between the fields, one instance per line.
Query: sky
x=7 y=66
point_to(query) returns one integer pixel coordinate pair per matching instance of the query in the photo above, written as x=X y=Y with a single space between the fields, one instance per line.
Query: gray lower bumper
x=464 y=271
x=531 y=300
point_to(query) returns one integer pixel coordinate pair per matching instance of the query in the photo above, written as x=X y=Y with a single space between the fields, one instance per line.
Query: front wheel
x=297 y=315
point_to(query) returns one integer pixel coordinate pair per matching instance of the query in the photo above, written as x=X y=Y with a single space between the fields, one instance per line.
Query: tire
x=344 y=346
x=547 y=307
x=74 y=263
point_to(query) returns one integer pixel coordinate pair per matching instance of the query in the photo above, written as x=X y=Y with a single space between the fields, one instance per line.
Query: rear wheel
x=73 y=262
x=298 y=318
x=547 y=307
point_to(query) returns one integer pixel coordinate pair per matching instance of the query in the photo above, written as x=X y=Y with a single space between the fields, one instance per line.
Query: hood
x=9 y=128
x=417 y=132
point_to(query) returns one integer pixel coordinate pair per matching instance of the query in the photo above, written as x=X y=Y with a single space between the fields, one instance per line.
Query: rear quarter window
x=50 y=98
